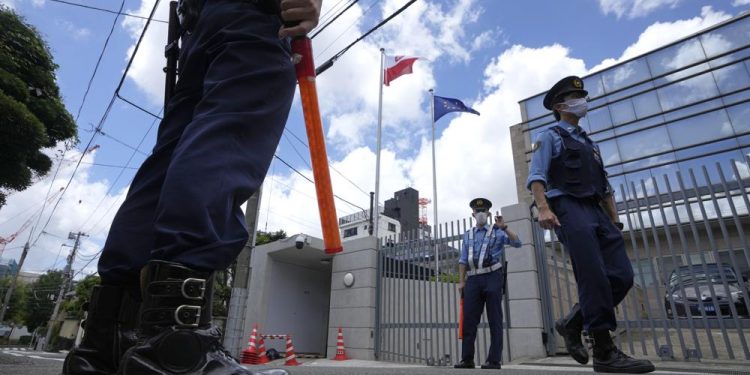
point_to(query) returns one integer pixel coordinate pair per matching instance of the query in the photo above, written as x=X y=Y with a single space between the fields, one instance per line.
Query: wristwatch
x=619 y=225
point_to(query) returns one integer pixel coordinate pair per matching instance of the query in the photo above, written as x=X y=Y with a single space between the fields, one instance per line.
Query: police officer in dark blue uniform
x=481 y=261
x=569 y=184
x=181 y=220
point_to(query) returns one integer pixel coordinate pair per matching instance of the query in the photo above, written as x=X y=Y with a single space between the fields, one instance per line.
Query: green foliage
x=41 y=299
x=83 y=294
x=33 y=115
x=447 y=278
x=15 y=312
x=263 y=238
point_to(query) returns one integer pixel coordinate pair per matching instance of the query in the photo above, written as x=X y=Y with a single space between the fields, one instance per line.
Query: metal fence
x=685 y=234
x=418 y=306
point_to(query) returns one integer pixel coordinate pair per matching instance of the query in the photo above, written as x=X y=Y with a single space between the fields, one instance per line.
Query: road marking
x=16 y=353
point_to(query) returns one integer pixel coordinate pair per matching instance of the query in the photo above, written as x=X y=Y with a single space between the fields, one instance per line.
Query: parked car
x=690 y=289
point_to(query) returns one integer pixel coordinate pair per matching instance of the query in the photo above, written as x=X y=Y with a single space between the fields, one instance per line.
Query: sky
x=489 y=54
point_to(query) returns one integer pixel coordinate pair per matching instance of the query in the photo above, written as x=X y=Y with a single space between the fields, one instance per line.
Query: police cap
x=564 y=86
x=480 y=203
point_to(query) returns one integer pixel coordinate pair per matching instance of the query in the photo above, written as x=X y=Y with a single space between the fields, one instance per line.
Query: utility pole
x=12 y=287
x=67 y=277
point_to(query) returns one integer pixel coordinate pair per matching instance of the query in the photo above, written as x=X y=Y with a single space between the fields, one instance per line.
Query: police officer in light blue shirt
x=481 y=262
x=569 y=184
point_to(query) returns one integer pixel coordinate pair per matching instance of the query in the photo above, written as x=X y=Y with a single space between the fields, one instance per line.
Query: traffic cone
x=340 y=352
x=291 y=358
x=250 y=354
x=262 y=357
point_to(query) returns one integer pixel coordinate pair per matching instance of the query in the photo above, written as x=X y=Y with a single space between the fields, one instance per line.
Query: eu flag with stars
x=447 y=105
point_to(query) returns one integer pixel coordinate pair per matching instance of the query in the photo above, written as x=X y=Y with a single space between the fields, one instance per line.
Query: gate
x=418 y=299
x=685 y=235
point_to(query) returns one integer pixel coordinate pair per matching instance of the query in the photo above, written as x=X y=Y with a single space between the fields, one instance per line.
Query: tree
x=33 y=115
x=83 y=293
x=41 y=299
x=267 y=237
x=16 y=312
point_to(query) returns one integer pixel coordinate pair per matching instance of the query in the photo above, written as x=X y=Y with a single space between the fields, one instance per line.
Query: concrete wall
x=353 y=308
x=299 y=307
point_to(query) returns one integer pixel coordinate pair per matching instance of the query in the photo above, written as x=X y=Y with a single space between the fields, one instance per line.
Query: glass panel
x=710 y=148
x=644 y=87
x=625 y=75
x=593 y=85
x=732 y=78
x=635 y=178
x=622 y=112
x=647 y=142
x=744 y=140
x=646 y=104
x=738 y=97
x=688 y=91
x=601 y=136
x=726 y=38
x=546 y=120
x=699 y=129
x=609 y=151
x=584 y=124
x=534 y=107
x=639 y=125
x=599 y=119
x=647 y=162
x=736 y=56
x=693 y=109
x=740 y=117
x=676 y=57
x=618 y=184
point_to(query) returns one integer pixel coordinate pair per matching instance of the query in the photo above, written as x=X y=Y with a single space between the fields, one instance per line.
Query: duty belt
x=483 y=270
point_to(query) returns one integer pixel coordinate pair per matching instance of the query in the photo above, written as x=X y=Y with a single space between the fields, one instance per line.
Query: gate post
x=526 y=321
x=353 y=298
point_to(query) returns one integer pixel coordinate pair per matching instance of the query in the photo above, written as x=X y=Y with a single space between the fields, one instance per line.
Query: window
x=392 y=227
x=644 y=143
x=622 y=112
x=646 y=104
x=732 y=78
x=700 y=129
x=625 y=75
x=351 y=232
x=675 y=57
x=688 y=91
x=725 y=38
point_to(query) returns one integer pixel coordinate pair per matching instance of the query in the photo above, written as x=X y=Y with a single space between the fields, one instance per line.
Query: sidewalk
x=703 y=367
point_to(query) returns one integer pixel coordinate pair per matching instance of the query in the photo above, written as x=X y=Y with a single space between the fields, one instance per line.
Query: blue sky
x=490 y=54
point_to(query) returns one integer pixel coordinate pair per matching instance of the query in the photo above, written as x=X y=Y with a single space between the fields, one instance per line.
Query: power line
x=347 y=29
x=105 y=115
x=328 y=23
x=98 y=61
x=120 y=13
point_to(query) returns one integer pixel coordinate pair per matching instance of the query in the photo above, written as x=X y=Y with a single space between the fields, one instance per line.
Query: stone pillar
x=353 y=307
x=526 y=321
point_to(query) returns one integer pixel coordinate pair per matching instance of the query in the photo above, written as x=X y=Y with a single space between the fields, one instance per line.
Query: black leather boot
x=109 y=331
x=175 y=324
x=570 y=328
x=465 y=364
x=608 y=358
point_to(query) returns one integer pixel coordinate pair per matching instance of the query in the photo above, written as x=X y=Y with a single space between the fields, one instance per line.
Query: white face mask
x=577 y=107
x=481 y=217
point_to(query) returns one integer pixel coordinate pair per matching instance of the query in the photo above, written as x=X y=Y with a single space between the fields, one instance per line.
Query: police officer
x=181 y=220
x=569 y=184
x=481 y=261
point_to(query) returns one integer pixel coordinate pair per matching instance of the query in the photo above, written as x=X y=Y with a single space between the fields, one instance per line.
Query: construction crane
x=6 y=240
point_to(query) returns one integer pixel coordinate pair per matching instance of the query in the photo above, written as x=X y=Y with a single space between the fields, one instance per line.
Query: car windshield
x=700 y=275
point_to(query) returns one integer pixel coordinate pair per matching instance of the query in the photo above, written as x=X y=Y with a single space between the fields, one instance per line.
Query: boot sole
x=629 y=370
x=561 y=331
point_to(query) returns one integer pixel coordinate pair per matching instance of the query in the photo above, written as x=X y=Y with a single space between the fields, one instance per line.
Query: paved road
x=24 y=362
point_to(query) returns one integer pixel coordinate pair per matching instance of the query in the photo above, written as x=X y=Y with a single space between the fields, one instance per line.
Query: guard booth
x=289 y=293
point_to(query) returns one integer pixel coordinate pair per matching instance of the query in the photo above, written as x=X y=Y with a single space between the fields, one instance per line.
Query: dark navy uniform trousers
x=213 y=149
x=480 y=291
x=600 y=263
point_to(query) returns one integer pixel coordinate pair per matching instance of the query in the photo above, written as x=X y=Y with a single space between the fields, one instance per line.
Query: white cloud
x=737 y=3
x=661 y=33
x=37 y=3
x=69 y=28
x=85 y=206
x=12 y=4
x=634 y=8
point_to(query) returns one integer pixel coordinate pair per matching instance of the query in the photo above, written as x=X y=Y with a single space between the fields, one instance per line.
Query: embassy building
x=673 y=127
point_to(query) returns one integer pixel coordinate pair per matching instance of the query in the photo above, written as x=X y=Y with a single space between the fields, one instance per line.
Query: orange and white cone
x=340 y=352
x=291 y=358
x=250 y=354
x=262 y=357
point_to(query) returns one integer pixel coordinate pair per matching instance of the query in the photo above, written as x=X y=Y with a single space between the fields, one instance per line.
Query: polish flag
x=396 y=66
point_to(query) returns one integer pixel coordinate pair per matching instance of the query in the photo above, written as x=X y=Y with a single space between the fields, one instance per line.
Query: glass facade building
x=679 y=107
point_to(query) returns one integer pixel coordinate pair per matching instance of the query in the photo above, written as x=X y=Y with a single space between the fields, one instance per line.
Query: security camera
x=299 y=242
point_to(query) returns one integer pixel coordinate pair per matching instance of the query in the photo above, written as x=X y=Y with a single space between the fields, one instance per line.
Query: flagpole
x=434 y=184
x=376 y=204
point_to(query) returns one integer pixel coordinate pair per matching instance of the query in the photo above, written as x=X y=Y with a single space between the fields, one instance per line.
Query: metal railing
x=686 y=238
